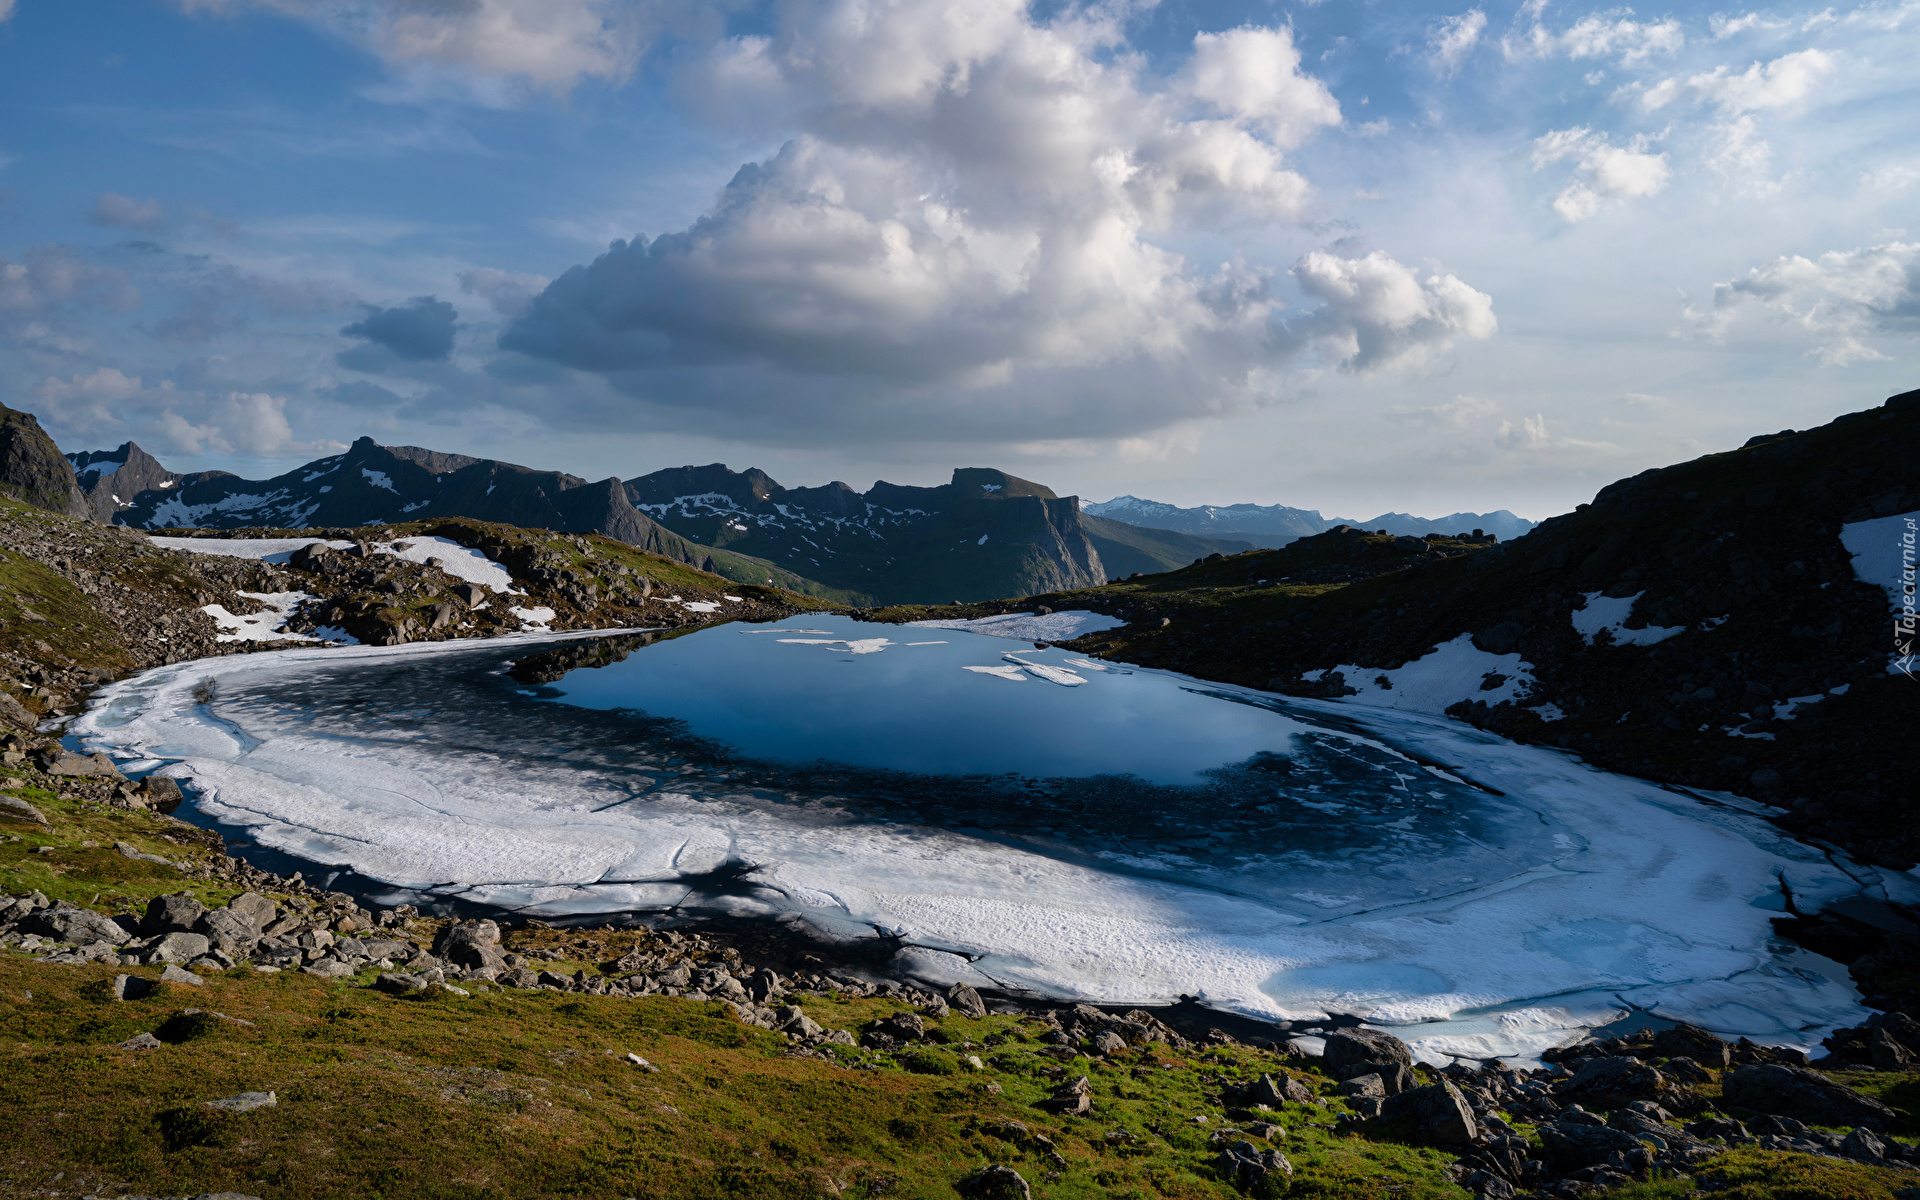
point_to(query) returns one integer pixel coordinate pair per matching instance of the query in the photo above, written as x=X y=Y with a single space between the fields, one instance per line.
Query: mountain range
x=1271 y=526
x=983 y=535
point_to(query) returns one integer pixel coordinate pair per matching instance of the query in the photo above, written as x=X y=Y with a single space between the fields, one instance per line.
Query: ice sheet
x=1568 y=895
x=1610 y=613
x=1033 y=627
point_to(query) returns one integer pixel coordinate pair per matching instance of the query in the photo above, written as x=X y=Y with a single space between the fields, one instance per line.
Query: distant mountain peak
x=1274 y=525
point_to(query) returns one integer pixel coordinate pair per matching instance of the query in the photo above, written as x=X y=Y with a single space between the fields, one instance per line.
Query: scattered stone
x=1440 y=1112
x=995 y=1183
x=245 y=1102
x=134 y=852
x=130 y=987
x=1251 y=1169
x=1805 y=1095
x=174 y=974
x=171 y=914
x=142 y=1041
x=966 y=1001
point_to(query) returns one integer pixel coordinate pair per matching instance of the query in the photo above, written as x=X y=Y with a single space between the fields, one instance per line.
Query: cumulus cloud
x=1452 y=38
x=114 y=209
x=1379 y=313
x=506 y=292
x=1474 y=426
x=421 y=330
x=552 y=44
x=251 y=424
x=970 y=214
x=1840 y=300
x=1608 y=172
x=1614 y=35
x=1784 y=82
x=108 y=405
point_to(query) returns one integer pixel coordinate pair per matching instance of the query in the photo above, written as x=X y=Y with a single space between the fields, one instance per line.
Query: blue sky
x=1358 y=257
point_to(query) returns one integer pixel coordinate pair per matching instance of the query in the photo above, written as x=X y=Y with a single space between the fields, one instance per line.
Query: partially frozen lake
x=1020 y=818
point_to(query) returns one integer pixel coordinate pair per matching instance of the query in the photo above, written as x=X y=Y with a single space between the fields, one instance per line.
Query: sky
x=1360 y=257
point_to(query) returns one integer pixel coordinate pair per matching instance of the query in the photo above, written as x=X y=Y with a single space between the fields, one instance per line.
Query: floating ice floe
x=1033 y=627
x=1610 y=613
x=1451 y=672
x=1051 y=674
x=1560 y=896
x=1012 y=674
x=853 y=645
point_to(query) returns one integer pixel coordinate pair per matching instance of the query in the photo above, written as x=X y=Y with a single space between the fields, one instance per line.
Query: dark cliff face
x=112 y=479
x=32 y=469
x=1705 y=624
x=984 y=534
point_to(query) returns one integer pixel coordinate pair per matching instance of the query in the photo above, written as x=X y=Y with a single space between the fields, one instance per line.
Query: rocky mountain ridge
x=1272 y=526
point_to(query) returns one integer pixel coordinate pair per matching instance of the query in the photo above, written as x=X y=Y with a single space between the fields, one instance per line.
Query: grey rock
x=1574 y=1146
x=1364 y=1085
x=966 y=1001
x=1251 y=1169
x=678 y=976
x=997 y=1182
x=256 y=909
x=76 y=925
x=13 y=808
x=1440 y=1112
x=329 y=968
x=471 y=944
x=142 y=1041
x=1107 y=1043
x=1804 y=1095
x=171 y=914
x=128 y=850
x=1609 y=1083
x=1352 y=1052
x=179 y=948
x=1687 y=1041
x=902 y=1026
x=399 y=982
x=174 y=974
x=1888 y=1053
x=130 y=987
x=1863 y=1145
x=245 y=1102
x=82 y=765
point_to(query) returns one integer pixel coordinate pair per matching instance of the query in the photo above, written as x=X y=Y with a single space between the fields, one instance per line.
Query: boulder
x=142 y=1041
x=179 y=948
x=173 y=974
x=1688 y=1041
x=1440 y=1112
x=245 y=1102
x=1364 y=1085
x=1803 y=1094
x=163 y=794
x=76 y=925
x=966 y=1001
x=1255 y=1171
x=1861 y=1144
x=171 y=914
x=1888 y=1053
x=259 y=911
x=1107 y=1043
x=472 y=944
x=1354 y=1052
x=1574 y=1146
x=997 y=1182
x=1609 y=1083
x=66 y=762
x=130 y=987
x=1274 y=1092
x=399 y=983
x=901 y=1026
x=232 y=932
x=12 y=808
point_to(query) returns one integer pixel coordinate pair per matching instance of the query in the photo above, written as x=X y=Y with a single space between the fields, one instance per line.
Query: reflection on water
x=1130 y=771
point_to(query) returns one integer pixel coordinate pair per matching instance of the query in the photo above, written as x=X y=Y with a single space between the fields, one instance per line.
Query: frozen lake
x=1022 y=819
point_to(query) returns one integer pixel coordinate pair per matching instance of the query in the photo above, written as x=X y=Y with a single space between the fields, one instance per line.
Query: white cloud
x=111 y=208
x=1461 y=412
x=552 y=44
x=1784 y=82
x=1254 y=76
x=969 y=213
x=1379 y=313
x=250 y=424
x=6 y=9
x=41 y=297
x=1609 y=35
x=1724 y=26
x=1452 y=38
x=1610 y=172
x=1895 y=179
x=1840 y=300
x=85 y=403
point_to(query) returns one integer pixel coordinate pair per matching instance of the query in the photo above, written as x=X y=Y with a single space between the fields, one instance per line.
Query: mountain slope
x=984 y=534
x=372 y=484
x=1274 y=525
x=32 y=470
x=1729 y=623
x=1134 y=549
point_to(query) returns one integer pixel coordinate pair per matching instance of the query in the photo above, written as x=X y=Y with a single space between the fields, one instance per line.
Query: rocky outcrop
x=1804 y=1095
x=112 y=479
x=32 y=470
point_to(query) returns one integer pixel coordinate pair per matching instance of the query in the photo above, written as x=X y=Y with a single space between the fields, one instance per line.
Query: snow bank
x=1883 y=555
x=268 y=626
x=1453 y=671
x=1033 y=627
x=1610 y=613
x=456 y=560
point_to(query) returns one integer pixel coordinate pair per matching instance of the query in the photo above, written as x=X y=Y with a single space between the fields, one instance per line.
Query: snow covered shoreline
x=1656 y=900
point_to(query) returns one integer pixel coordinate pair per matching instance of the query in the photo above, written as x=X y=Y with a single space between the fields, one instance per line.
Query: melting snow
x=1883 y=555
x=265 y=626
x=379 y=479
x=1610 y=613
x=533 y=618
x=1453 y=671
x=456 y=560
